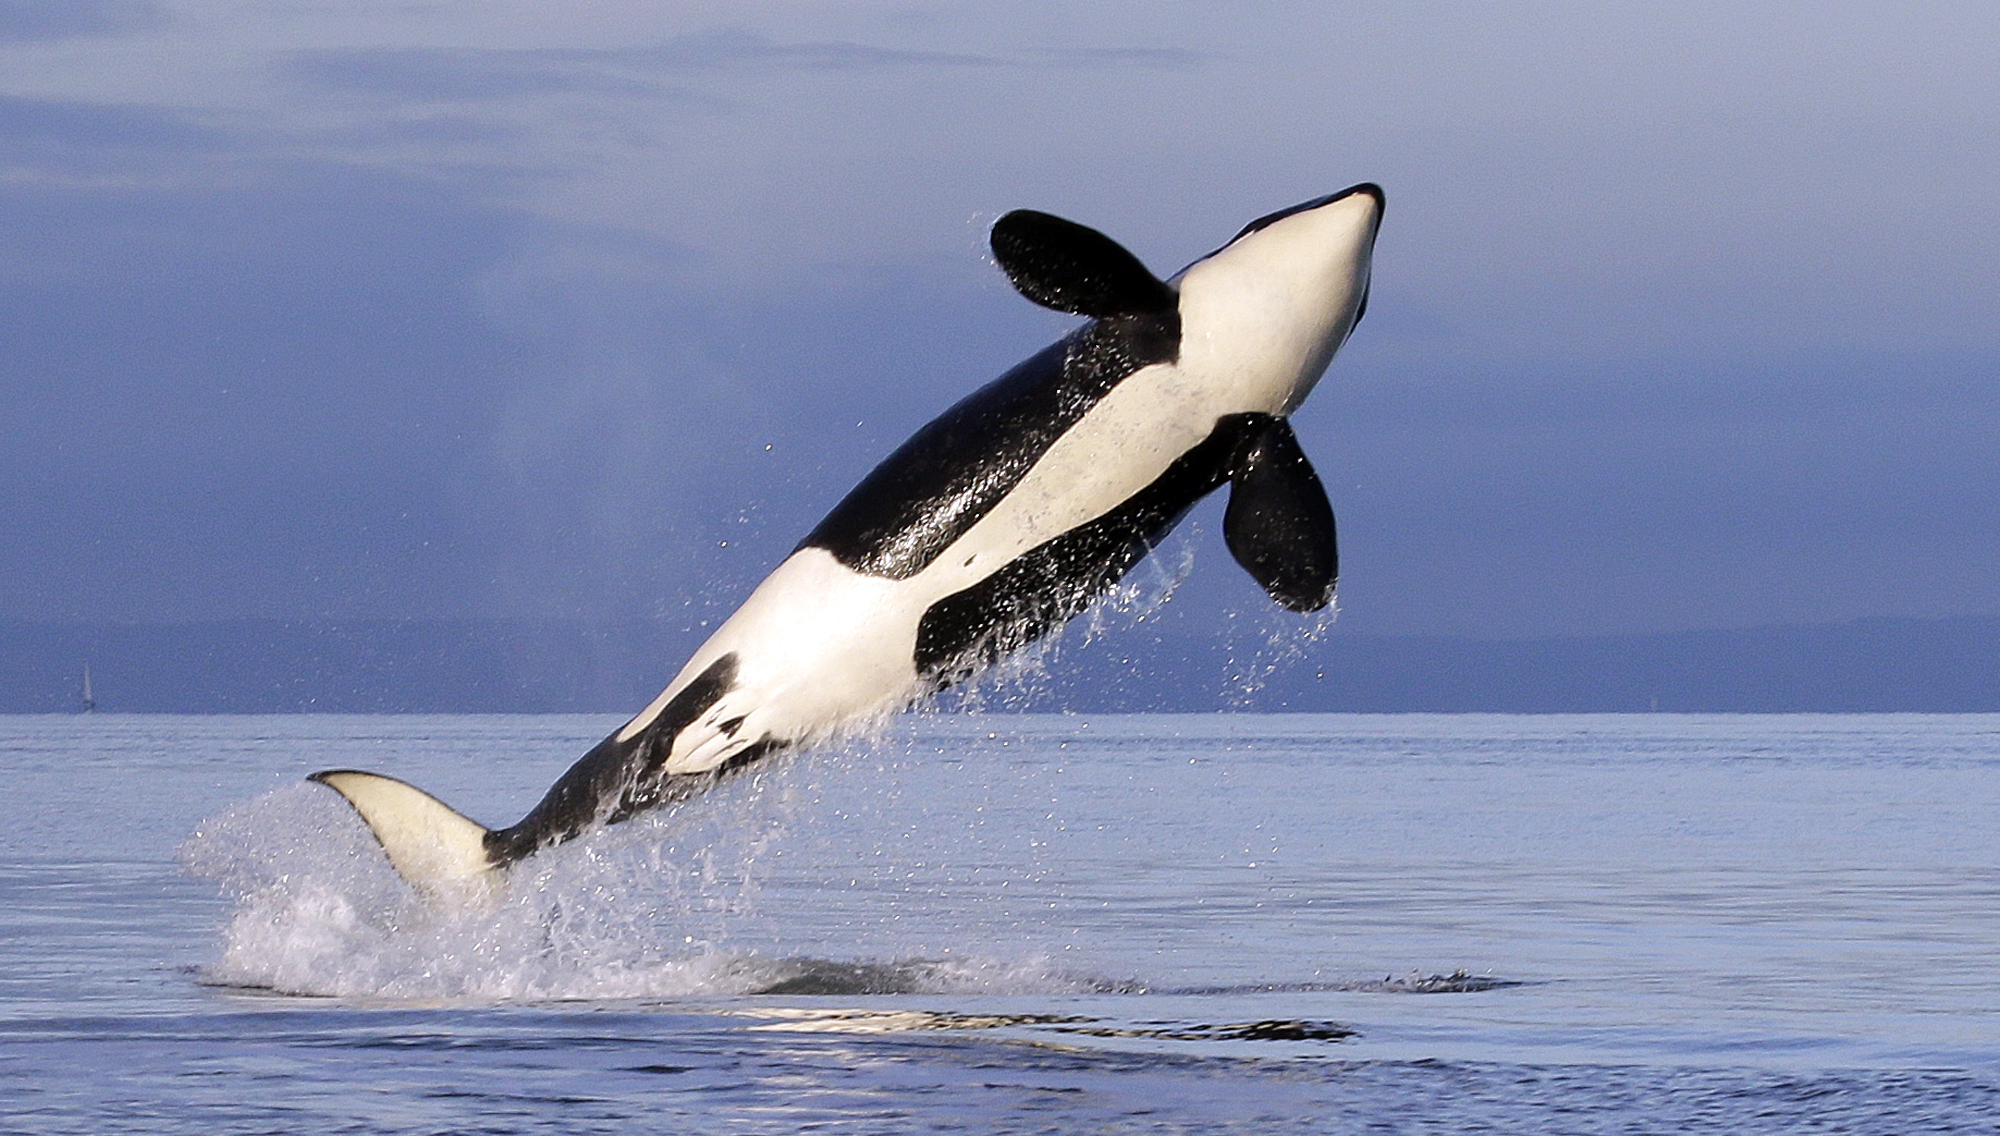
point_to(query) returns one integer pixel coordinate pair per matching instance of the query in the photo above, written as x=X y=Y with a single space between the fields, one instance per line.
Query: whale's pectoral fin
x=1278 y=524
x=430 y=844
x=1073 y=268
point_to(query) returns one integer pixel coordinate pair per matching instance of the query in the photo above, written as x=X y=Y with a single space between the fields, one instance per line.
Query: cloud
x=452 y=75
x=58 y=143
x=65 y=126
x=474 y=74
x=480 y=74
x=736 y=48
x=1143 y=58
x=27 y=20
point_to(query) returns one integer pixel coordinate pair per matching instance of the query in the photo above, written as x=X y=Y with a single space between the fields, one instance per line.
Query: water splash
x=1266 y=641
x=1144 y=592
x=1022 y=679
x=668 y=905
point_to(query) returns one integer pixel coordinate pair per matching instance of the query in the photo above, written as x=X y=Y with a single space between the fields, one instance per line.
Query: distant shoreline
x=1164 y=665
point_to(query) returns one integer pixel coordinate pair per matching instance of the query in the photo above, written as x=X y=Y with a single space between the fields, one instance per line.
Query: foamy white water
x=1215 y=922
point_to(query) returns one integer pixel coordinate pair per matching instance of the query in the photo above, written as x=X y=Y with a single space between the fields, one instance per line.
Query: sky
x=1683 y=315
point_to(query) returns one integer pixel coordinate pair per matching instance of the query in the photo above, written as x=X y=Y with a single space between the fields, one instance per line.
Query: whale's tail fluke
x=434 y=847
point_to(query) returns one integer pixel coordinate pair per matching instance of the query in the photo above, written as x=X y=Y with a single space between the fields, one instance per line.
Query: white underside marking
x=817 y=645
x=1121 y=446
x=1263 y=317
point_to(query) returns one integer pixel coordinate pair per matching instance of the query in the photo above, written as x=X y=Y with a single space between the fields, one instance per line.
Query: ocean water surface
x=1216 y=923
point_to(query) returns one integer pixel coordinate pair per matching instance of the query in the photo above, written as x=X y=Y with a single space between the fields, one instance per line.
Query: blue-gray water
x=1217 y=923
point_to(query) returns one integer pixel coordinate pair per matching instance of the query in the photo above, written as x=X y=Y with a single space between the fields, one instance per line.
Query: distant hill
x=466 y=666
x=259 y=666
x=1863 y=666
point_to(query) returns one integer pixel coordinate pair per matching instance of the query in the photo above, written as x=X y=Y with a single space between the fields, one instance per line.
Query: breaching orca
x=994 y=524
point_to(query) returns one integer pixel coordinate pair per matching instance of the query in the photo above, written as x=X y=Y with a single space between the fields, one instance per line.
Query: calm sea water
x=992 y=923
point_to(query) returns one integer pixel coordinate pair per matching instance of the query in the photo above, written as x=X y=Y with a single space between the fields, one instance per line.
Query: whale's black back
x=951 y=473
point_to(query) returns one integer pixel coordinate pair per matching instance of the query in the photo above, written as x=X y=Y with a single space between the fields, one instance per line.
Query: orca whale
x=991 y=526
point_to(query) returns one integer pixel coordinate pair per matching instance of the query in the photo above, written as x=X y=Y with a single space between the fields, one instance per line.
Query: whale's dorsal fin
x=1074 y=268
x=1279 y=525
